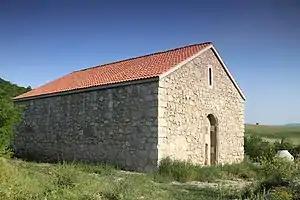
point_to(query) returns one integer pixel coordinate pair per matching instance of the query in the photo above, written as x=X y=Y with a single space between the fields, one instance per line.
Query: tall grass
x=61 y=181
x=21 y=180
x=182 y=171
x=27 y=180
x=271 y=175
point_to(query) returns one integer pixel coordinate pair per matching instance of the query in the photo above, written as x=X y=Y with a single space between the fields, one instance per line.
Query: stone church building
x=181 y=103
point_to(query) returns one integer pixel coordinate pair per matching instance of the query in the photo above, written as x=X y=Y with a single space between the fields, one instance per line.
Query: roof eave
x=88 y=89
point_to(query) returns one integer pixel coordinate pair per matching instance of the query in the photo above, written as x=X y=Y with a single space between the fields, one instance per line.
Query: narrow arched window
x=210 y=76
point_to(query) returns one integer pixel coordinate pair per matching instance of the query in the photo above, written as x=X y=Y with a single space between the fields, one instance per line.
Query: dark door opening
x=213 y=139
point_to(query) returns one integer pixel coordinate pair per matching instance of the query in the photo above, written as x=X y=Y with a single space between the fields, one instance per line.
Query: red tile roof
x=142 y=67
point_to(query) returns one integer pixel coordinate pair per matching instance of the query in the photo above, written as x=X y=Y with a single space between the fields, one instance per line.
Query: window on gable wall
x=210 y=76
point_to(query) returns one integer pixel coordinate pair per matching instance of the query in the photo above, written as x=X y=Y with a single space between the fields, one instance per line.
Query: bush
x=296 y=152
x=278 y=168
x=284 y=145
x=256 y=148
x=9 y=116
x=282 y=193
x=277 y=177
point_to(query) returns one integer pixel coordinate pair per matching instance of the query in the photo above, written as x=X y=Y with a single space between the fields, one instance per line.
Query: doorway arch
x=213 y=128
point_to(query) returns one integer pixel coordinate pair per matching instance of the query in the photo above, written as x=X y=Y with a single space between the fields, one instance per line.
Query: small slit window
x=210 y=76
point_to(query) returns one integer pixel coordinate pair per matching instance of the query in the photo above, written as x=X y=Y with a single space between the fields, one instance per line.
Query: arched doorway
x=213 y=139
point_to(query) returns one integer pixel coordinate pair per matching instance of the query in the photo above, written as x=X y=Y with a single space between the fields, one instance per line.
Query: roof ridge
x=150 y=54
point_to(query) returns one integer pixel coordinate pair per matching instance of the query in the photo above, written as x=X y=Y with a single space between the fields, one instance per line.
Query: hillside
x=9 y=90
x=291 y=133
x=293 y=124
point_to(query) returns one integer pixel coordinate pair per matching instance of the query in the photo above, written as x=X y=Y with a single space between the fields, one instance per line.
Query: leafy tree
x=9 y=90
x=9 y=113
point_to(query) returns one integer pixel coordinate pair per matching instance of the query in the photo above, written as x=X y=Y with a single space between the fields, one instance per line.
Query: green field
x=273 y=133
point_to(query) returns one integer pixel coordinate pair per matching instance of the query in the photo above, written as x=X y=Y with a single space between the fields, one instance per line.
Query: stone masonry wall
x=117 y=125
x=185 y=100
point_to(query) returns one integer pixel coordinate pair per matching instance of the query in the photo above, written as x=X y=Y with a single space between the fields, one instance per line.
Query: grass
x=20 y=180
x=175 y=180
x=28 y=180
x=183 y=171
x=275 y=133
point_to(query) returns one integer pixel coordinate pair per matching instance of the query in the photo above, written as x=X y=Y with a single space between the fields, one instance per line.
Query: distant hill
x=278 y=125
x=9 y=90
x=293 y=124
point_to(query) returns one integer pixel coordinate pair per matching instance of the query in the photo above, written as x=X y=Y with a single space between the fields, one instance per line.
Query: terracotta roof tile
x=142 y=67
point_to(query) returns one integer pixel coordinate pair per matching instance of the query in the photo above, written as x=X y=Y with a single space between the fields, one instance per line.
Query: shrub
x=296 y=152
x=283 y=145
x=256 y=148
x=278 y=168
x=281 y=193
x=277 y=177
x=9 y=116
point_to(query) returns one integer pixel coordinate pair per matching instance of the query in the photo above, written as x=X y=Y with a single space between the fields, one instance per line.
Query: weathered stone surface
x=186 y=99
x=117 y=125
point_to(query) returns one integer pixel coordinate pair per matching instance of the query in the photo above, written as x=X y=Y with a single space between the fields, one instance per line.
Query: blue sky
x=259 y=41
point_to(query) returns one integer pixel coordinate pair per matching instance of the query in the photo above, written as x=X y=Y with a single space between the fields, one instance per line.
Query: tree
x=9 y=113
x=9 y=116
